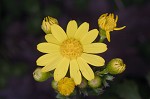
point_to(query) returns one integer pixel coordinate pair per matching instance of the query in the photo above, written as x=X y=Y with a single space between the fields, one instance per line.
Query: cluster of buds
x=67 y=86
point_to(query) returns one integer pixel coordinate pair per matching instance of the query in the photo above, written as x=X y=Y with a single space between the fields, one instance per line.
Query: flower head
x=108 y=23
x=116 y=66
x=46 y=24
x=73 y=49
x=66 y=86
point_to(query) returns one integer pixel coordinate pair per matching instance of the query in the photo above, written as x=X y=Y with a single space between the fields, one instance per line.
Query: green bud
x=96 y=82
x=54 y=84
x=83 y=83
x=47 y=23
x=40 y=76
x=116 y=66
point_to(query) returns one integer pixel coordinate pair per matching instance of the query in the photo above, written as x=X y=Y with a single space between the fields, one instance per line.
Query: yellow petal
x=74 y=72
x=85 y=69
x=103 y=15
x=116 y=19
x=119 y=28
x=51 y=39
x=55 y=59
x=95 y=48
x=61 y=69
x=89 y=37
x=48 y=48
x=108 y=35
x=44 y=60
x=58 y=33
x=81 y=31
x=112 y=16
x=94 y=60
x=71 y=28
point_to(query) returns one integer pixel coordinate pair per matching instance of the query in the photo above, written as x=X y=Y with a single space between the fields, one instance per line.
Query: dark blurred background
x=20 y=32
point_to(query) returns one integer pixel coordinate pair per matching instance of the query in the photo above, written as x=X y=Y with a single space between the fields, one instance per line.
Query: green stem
x=102 y=34
x=102 y=72
x=102 y=38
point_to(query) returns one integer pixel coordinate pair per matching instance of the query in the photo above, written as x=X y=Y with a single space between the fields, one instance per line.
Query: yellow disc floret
x=66 y=86
x=71 y=48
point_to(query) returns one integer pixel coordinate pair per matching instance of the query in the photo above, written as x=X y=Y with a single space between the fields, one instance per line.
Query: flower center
x=71 y=48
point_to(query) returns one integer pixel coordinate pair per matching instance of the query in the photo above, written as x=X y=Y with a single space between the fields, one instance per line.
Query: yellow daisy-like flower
x=46 y=24
x=73 y=49
x=66 y=86
x=108 y=23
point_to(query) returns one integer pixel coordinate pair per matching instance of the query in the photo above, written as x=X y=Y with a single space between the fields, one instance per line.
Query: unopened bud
x=83 y=83
x=40 y=76
x=54 y=84
x=46 y=24
x=96 y=82
x=116 y=66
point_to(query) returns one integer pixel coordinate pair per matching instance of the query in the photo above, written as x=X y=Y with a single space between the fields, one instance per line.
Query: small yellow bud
x=66 y=86
x=46 y=24
x=116 y=66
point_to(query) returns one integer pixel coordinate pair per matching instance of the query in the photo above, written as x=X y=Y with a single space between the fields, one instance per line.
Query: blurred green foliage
x=10 y=69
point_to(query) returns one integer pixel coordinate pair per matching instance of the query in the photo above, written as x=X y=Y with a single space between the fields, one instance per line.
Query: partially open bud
x=40 y=76
x=116 y=66
x=83 y=83
x=96 y=82
x=46 y=24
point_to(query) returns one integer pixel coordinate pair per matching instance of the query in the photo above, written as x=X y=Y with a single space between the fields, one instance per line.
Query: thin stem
x=102 y=35
x=102 y=72
x=102 y=38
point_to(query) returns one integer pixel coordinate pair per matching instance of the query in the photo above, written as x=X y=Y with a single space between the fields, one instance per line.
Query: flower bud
x=40 y=76
x=66 y=86
x=46 y=24
x=116 y=66
x=96 y=82
x=83 y=83
x=54 y=84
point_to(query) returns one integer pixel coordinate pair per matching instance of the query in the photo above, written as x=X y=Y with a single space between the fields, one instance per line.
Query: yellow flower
x=108 y=23
x=73 y=49
x=46 y=24
x=66 y=86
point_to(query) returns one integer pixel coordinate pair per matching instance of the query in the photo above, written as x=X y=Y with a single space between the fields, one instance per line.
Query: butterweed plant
x=72 y=57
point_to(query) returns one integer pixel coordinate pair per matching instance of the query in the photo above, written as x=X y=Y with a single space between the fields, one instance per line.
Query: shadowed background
x=20 y=32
